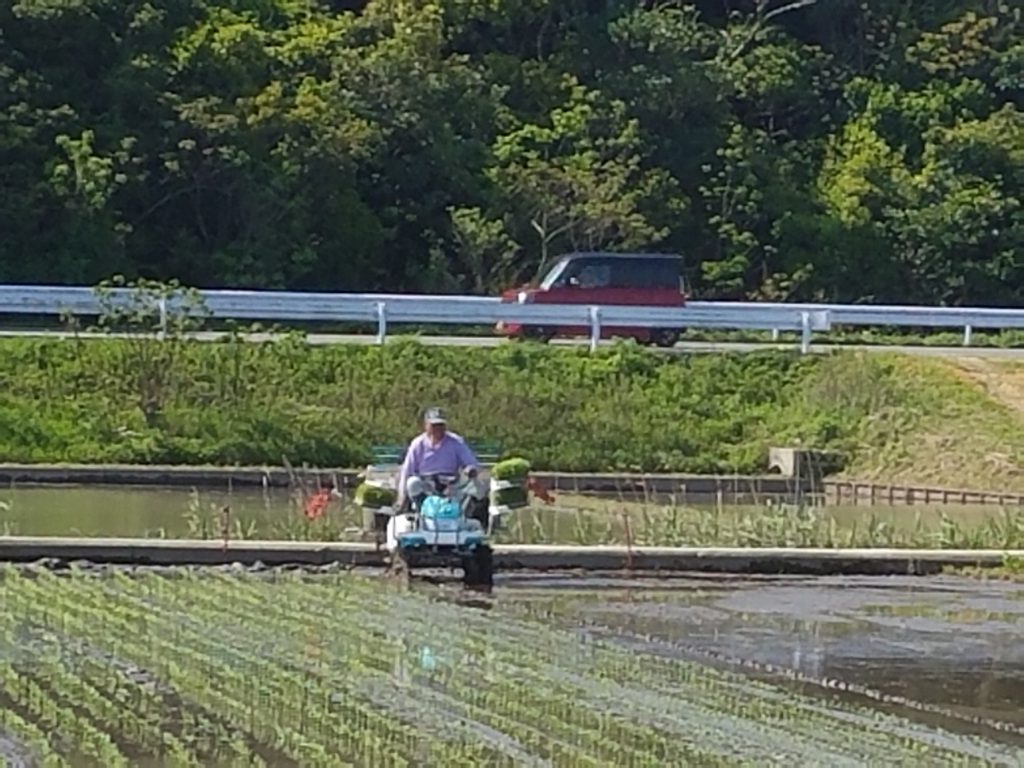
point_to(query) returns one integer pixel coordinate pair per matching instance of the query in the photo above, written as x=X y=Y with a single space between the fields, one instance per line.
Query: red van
x=644 y=279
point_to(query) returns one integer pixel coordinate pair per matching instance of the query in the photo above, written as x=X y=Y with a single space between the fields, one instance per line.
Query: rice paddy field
x=230 y=666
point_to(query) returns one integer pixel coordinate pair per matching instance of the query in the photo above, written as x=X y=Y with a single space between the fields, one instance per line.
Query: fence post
x=382 y=321
x=805 y=332
x=967 y=335
x=162 y=334
x=595 y=327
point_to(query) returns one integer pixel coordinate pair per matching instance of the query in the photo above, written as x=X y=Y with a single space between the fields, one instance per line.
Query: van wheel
x=665 y=337
x=538 y=333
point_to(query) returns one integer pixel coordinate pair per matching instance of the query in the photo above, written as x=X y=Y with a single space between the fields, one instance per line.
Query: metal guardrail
x=382 y=309
x=907 y=316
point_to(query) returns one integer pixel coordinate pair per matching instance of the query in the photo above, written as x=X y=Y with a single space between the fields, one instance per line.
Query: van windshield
x=556 y=272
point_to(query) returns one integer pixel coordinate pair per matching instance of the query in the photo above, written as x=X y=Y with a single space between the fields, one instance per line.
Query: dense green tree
x=790 y=149
x=579 y=180
x=931 y=171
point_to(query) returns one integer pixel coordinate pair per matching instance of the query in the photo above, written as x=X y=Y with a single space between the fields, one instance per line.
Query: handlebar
x=444 y=481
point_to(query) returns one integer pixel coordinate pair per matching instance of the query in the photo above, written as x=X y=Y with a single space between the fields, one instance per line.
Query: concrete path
x=169 y=552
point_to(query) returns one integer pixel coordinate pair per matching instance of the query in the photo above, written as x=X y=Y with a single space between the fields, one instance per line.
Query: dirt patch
x=957 y=423
x=1002 y=381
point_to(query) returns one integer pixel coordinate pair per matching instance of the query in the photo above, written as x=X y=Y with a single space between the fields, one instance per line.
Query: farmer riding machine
x=448 y=520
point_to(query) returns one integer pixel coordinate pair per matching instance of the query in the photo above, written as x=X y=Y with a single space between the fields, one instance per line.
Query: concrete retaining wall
x=162 y=475
x=507 y=557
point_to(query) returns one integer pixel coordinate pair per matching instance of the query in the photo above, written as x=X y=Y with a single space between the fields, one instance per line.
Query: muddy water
x=949 y=646
x=174 y=512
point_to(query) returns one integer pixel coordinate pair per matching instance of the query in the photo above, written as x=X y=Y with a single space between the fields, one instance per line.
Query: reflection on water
x=950 y=642
x=146 y=511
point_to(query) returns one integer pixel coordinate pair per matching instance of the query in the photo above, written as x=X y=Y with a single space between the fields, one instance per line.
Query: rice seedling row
x=139 y=715
x=52 y=714
x=340 y=670
x=525 y=705
x=90 y=690
x=237 y=666
x=281 y=736
x=357 y=662
x=20 y=742
x=682 y=684
x=30 y=744
x=47 y=695
x=657 y=670
x=353 y=628
x=86 y=625
x=529 y=640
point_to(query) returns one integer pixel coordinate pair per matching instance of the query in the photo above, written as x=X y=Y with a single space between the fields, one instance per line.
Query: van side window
x=647 y=273
x=664 y=273
x=594 y=275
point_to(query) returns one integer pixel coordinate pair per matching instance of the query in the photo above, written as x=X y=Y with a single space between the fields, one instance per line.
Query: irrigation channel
x=327 y=665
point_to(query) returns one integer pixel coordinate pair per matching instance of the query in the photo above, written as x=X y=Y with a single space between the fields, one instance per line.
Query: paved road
x=681 y=348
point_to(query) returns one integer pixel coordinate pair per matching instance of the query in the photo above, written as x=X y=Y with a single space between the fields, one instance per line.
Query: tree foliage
x=790 y=149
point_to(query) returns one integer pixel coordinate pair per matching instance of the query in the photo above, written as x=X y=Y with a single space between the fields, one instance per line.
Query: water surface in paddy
x=116 y=511
x=952 y=644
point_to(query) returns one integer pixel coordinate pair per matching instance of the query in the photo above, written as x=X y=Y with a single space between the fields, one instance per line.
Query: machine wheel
x=665 y=337
x=478 y=568
x=373 y=521
x=376 y=524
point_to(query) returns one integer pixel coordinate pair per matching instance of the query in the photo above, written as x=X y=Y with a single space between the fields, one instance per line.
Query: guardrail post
x=595 y=327
x=805 y=332
x=967 y=335
x=382 y=321
x=162 y=333
x=775 y=334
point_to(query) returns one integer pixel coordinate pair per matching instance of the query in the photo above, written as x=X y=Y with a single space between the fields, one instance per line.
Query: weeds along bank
x=623 y=408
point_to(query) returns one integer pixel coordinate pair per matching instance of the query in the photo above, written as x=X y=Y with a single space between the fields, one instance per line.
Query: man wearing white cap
x=436 y=451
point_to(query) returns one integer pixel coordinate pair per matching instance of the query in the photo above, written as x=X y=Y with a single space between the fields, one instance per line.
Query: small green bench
x=488 y=452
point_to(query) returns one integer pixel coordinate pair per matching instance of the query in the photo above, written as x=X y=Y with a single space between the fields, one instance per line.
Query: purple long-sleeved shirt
x=445 y=458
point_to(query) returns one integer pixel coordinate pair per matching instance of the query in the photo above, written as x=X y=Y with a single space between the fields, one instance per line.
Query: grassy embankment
x=894 y=418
